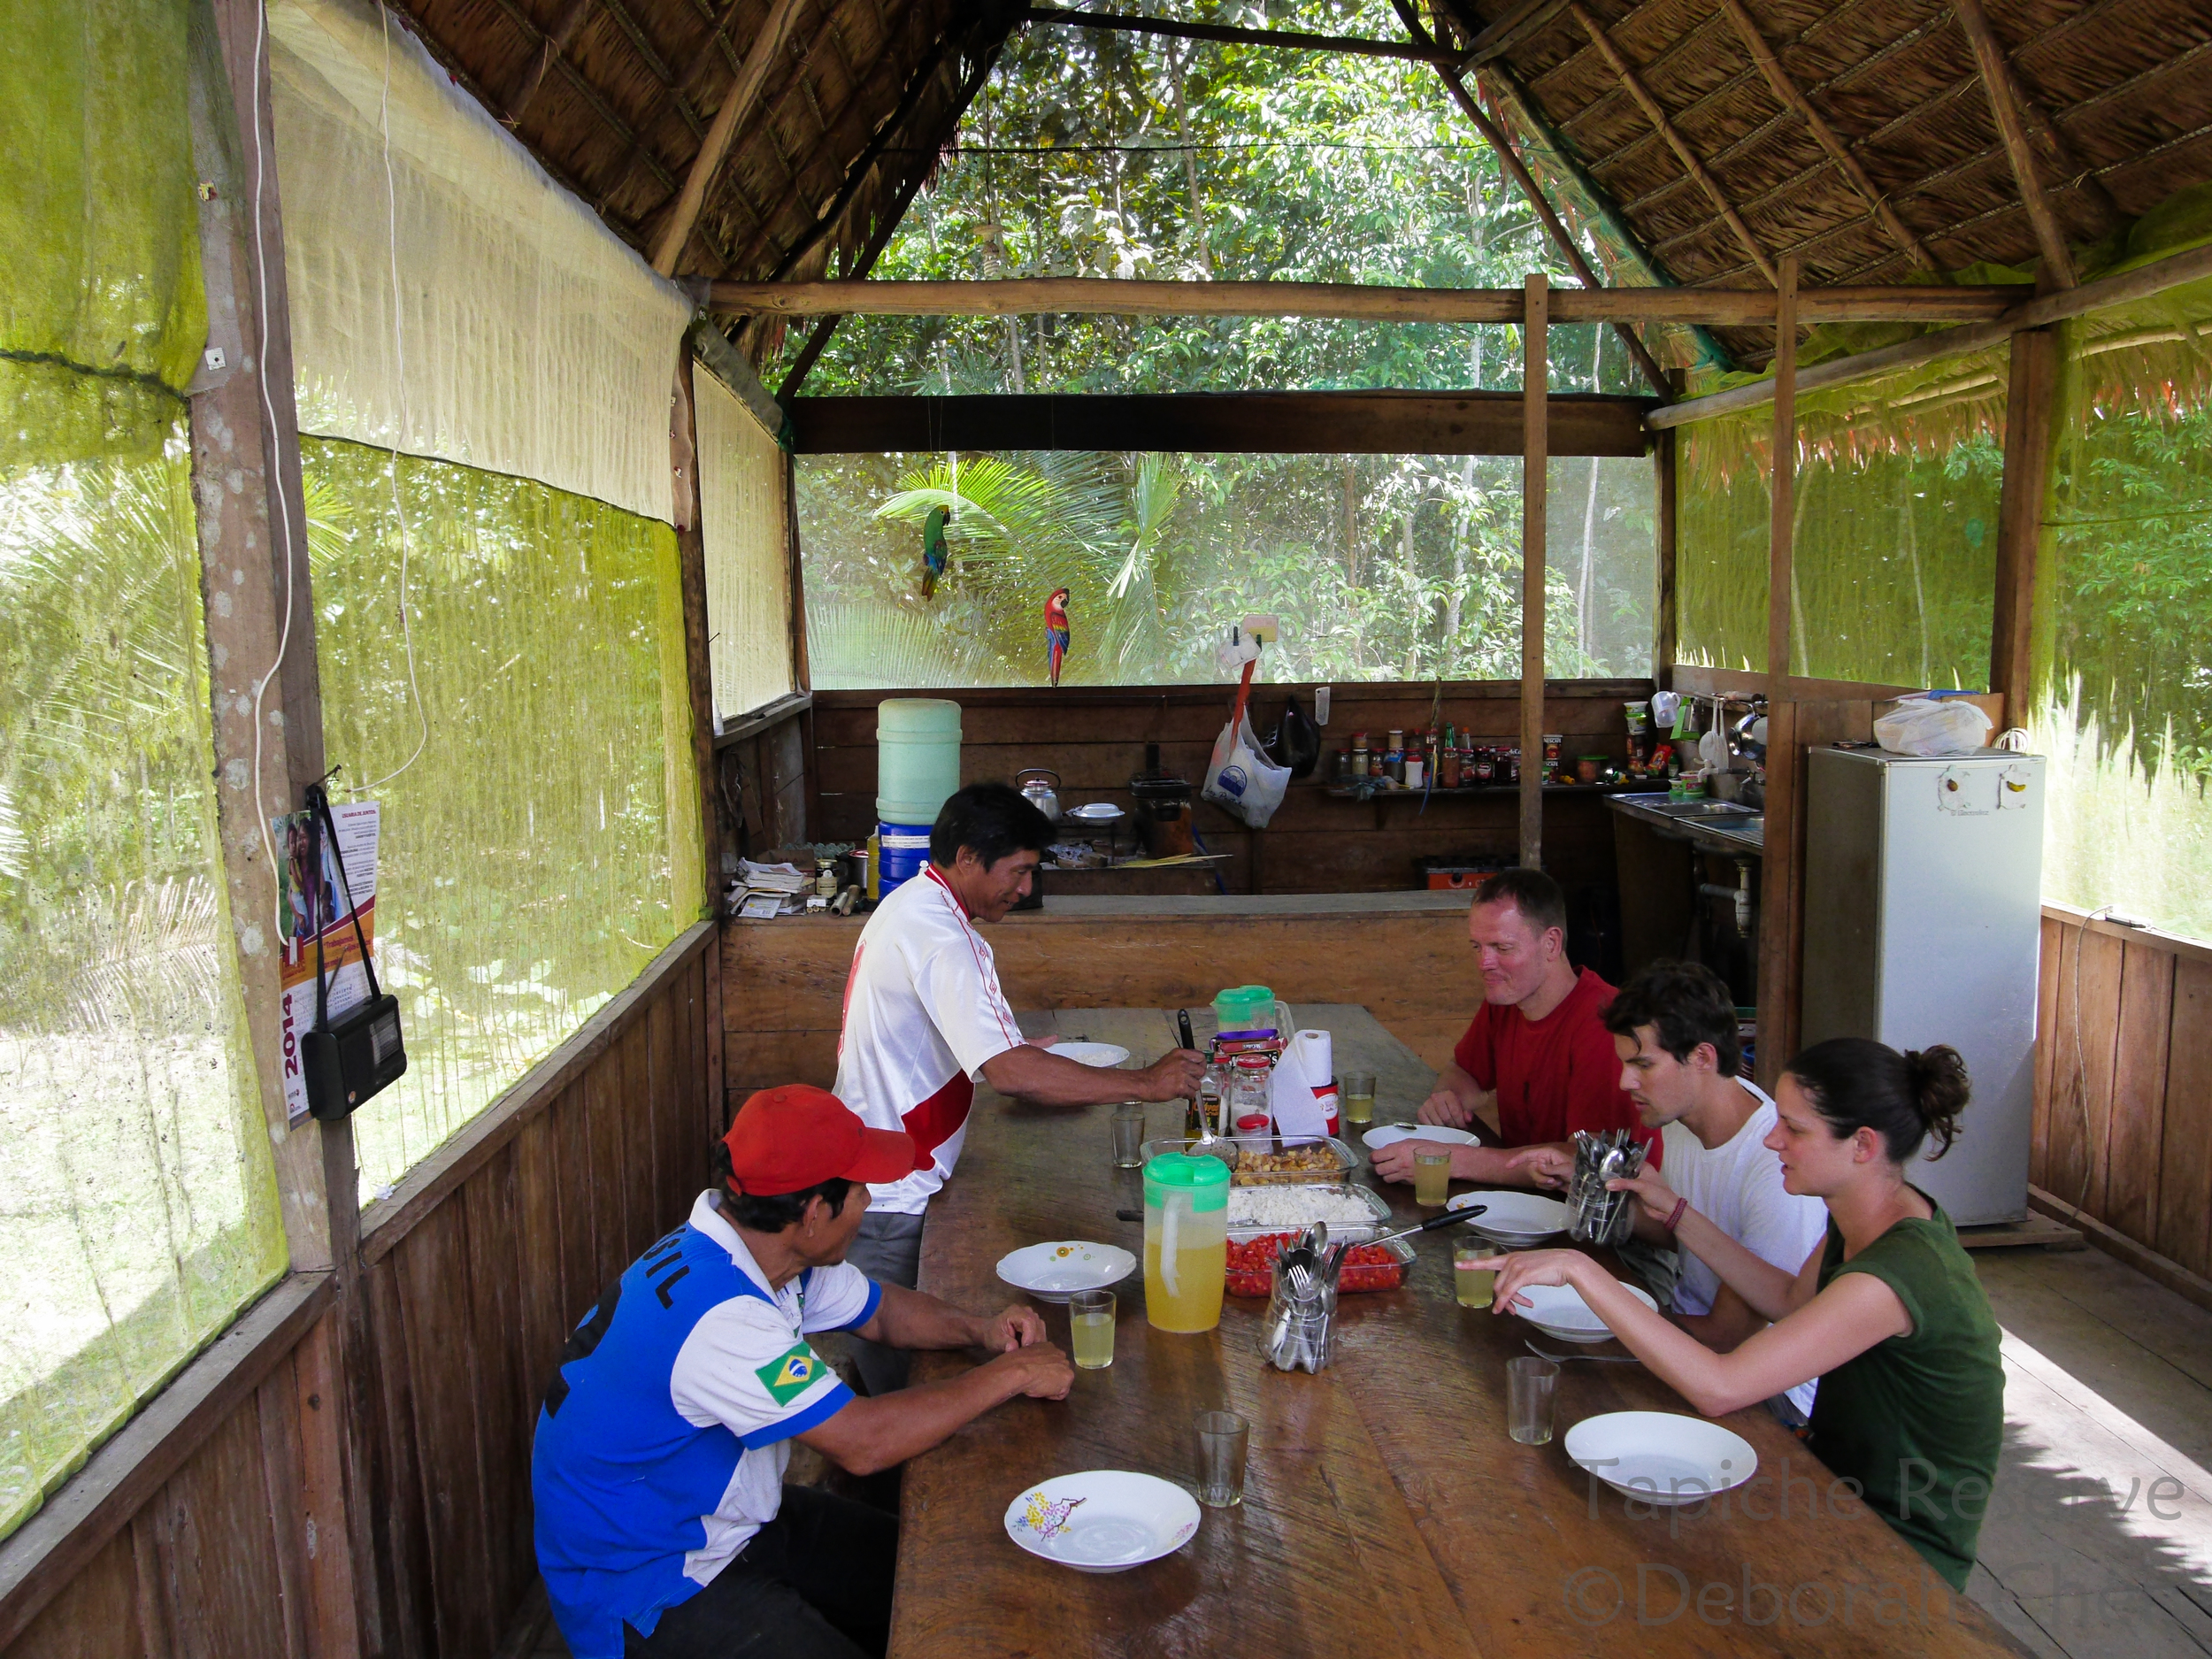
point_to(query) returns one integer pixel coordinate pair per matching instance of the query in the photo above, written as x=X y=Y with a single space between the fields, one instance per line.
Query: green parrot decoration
x=934 y=552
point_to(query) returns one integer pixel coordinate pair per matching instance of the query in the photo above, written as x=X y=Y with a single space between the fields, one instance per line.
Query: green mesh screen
x=1380 y=567
x=1895 y=530
x=138 y=1211
x=2125 y=586
x=543 y=844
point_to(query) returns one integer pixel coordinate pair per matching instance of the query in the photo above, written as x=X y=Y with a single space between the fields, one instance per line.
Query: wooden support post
x=683 y=214
x=1779 y=862
x=1626 y=72
x=1793 y=97
x=683 y=443
x=1535 y=461
x=267 y=702
x=2028 y=416
x=1989 y=58
x=1666 y=632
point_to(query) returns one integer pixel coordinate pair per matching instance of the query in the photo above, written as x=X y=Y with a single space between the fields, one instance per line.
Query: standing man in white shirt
x=924 y=1018
x=1674 y=1026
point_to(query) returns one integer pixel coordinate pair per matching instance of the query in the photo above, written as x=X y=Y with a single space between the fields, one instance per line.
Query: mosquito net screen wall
x=743 y=529
x=1894 y=529
x=2124 y=595
x=138 y=1212
x=499 y=626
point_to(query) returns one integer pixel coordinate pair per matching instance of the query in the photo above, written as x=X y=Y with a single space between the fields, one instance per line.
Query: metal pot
x=1042 y=795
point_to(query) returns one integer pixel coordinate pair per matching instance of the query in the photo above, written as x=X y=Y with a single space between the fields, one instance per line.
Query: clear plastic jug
x=1185 y=1240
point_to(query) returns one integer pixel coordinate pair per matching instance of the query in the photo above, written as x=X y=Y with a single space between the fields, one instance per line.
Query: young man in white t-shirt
x=664 y=1528
x=924 y=1018
x=1674 y=1025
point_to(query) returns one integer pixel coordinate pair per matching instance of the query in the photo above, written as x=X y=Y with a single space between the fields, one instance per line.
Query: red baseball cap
x=795 y=1136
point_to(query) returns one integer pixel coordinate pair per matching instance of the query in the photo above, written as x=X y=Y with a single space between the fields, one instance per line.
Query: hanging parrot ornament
x=934 y=552
x=1056 y=634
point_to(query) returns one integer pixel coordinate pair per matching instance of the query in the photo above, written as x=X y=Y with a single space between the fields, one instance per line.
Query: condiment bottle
x=1360 y=758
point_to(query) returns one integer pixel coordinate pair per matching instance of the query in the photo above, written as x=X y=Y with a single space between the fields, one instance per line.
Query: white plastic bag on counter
x=1240 y=779
x=1932 y=726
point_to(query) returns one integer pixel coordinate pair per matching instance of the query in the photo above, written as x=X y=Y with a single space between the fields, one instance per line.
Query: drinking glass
x=1091 y=1329
x=1475 y=1272
x=1432 y=1177
x=1129 y=1135
x=1530 y=1383
x=1358 y=1089
x=1222 y=1439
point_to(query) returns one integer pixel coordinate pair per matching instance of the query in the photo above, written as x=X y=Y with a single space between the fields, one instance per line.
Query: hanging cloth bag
x=1240 y=779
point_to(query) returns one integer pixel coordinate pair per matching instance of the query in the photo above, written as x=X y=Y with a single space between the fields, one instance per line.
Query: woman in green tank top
x=1887 y=1313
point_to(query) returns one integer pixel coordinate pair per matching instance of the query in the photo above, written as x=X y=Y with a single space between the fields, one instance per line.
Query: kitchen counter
x=1720 y=826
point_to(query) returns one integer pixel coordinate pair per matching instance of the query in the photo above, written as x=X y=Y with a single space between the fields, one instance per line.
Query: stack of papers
x=766 y=890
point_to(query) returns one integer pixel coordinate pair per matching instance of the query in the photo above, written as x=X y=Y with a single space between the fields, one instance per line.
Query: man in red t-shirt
x=1537 y=1053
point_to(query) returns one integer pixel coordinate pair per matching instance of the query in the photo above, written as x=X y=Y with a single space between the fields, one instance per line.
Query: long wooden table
x=1386 y=1510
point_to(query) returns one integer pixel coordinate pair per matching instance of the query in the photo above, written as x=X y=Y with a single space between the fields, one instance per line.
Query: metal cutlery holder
x=1595 y=1215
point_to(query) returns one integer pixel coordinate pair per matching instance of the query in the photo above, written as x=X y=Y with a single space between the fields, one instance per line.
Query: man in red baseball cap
x=664 y=1528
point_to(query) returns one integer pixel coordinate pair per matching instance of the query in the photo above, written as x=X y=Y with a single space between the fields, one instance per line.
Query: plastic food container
x=1341 y=1160
x=1251 y=1264
x=1377 y=1207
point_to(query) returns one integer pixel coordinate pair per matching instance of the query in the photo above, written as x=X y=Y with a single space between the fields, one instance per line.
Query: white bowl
x=1106 y=1520
x=1515 y=1217
x=1661 y=1457
x=1389 y=1134
x=1091 y=1053
x=1559 y=1310
x=1057 y=1268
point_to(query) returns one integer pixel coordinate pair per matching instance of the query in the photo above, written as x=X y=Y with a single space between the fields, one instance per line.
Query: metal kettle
x=1042 y=795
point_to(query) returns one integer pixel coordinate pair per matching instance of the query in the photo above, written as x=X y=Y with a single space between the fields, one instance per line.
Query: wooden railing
x=2123 y=1143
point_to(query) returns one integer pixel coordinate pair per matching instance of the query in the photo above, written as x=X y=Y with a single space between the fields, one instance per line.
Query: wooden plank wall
x=784 y=980
x=466 y=1310
x=1094 y=738
x=2123 y=1134
x=762 y=778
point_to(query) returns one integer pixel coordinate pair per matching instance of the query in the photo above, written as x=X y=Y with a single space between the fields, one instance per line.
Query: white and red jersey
x=923 y=1012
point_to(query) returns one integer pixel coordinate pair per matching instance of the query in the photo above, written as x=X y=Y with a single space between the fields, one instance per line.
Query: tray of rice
x=1351 y=1212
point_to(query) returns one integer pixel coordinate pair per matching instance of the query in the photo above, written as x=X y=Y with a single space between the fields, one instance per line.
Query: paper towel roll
x=1316 y=1058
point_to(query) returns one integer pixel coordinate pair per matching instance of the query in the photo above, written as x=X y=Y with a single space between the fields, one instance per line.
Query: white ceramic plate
x=1055 y=1270
x=1661 y=1457
x=1515 y=1217
x=1091 y=1053
x=1559 y=1310
x=1390 y=1135
x=1107 y=1520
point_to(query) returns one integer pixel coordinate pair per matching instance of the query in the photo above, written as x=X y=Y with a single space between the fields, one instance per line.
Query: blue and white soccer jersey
x=661 y=1448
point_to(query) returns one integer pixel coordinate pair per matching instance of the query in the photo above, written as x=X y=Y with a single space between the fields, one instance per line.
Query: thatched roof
x=615 y=96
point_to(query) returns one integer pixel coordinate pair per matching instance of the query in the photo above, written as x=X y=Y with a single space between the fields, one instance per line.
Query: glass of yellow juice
x=1432 y=1177
x=1091 y=1329
x=1358 y=1090
x=1475 y=1272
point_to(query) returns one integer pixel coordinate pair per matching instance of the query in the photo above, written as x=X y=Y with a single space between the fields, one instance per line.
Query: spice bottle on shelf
x=1448 y=774
x=1395 y=757
x=1359 y=755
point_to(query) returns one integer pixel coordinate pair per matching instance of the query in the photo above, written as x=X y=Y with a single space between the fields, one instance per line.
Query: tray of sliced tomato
x=1366 y=1266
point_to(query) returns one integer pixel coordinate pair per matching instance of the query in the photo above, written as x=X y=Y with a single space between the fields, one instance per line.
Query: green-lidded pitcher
x=1185 y=1240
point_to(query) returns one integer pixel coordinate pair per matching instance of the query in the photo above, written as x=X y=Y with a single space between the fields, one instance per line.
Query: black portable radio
x=362 y=1054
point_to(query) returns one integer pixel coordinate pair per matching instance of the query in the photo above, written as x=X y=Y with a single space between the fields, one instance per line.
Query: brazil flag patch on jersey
x=790 y=1375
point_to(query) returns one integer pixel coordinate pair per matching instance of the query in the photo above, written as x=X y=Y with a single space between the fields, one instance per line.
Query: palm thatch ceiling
x=1719 y=136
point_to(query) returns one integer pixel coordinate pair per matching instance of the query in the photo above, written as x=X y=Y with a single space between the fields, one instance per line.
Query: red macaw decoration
x=1056 y=631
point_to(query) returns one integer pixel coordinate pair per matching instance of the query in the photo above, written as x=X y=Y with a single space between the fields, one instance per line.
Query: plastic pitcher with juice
x=1185 y=1240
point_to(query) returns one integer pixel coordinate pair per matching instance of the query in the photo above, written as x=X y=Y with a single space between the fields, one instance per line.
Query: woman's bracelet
x=1674 y=1220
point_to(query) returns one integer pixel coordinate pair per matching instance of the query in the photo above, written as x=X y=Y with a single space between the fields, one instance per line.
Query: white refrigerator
x=1923 y=921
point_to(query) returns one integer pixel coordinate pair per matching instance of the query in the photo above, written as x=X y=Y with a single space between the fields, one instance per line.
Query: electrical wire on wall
x=399 y=367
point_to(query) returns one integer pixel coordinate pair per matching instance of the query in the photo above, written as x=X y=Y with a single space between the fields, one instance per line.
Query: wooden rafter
x=1510 y=160
x=1657 y=115
x=1112 y=296
x=676 y=231
x=1517 y=25
x=531 y=74
x=1288 y=40
x=1788 y=90
x=1997 y=79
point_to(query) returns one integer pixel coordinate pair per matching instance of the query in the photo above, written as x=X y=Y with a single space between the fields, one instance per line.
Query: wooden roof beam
x=669 y=246
x=1997 y=81
x=1688 y=157
x=1289 y=40
x=1792 y=98
x=1112 y=296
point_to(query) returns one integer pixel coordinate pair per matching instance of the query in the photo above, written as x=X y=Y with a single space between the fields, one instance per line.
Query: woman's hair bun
x=1937 y=1079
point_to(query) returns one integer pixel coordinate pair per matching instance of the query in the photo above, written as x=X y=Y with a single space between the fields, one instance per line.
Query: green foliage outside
x=1106 y=155
x=538 y=847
